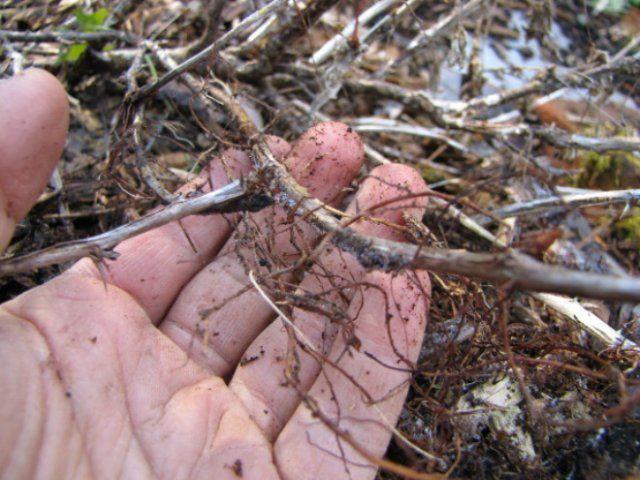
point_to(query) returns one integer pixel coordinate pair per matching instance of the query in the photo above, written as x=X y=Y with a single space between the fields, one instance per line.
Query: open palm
x=169 y=362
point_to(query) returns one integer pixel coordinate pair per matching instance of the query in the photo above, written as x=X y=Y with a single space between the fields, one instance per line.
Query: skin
x=117 y=375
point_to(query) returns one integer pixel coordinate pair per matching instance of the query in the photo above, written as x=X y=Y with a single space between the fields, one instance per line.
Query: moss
x=598 y=170
x=629 y=227
x=431 y=175
x=610 y=170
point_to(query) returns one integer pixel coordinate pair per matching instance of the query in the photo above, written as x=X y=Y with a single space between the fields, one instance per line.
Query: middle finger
x=216 y=316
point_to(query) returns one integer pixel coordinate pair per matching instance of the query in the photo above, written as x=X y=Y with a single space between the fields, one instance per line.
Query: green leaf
x=91 y=22
x=73 y=53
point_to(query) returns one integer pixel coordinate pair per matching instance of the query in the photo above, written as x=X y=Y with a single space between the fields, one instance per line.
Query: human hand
x=169 y=363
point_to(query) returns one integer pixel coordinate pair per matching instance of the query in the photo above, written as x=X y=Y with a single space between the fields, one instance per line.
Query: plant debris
x=523 y=118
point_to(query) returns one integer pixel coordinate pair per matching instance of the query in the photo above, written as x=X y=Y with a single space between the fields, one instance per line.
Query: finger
x=154 y=266
x=262 y=384
x=324 y=160
x=34 y=119
x=364 y=398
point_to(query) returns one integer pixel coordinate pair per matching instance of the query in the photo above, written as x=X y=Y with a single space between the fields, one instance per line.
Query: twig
x=206 y=53
x=563 y=305
x=64 y=36
x=375 y=124
x=232 y=197
x=281 y=315
x=409 y=97
x=142 y=162
x=468 y=222
x=572 y=200
x=438 y=110
x=586 y=320
x=548 y=81
x=561 y=139
x=335 y=74
x=522 y=271
x=340 y=41
x=509 y=266
x=428 y=35
x=293 y=23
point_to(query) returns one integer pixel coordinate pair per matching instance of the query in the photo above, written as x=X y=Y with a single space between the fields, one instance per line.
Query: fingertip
x=326 y=159
x=49 y=85
x=384 y=184
x=34 y=120
x=399 y=180
x=234 y=163
x=406 y=297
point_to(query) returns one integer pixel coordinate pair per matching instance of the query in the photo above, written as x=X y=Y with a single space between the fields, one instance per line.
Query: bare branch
x=374 y=124
x=439 y=28
x=509 y=266
x=586 y=320
x=230 y=198
x=547 y=81
x=439 y=111
x=207 y=52
x=340 y=41
x=522 y=271
x=295 y=23
x=562 y=139
x=572 y=200
x=566 y=306
x=64 y=37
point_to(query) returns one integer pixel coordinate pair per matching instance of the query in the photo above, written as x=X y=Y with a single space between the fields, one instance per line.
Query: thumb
x=34 y=119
